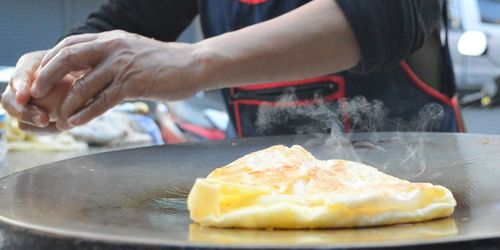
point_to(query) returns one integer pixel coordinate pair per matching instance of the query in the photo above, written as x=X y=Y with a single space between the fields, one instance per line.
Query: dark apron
x=320 y=104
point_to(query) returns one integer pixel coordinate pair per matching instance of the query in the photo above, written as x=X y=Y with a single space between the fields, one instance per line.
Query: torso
x=409 y=104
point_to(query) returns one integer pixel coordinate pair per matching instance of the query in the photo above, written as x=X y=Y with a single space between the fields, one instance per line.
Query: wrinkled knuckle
x=79 y=88
x=117 y=44
x=123 y=42
x=107 y=43
x=65 y=52
x=112 y=43
x=80 y=84
x=121 y=62
x=68 y=40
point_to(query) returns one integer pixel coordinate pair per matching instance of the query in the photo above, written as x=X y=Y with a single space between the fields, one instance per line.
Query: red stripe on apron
x=451 y=102
x=340 y=93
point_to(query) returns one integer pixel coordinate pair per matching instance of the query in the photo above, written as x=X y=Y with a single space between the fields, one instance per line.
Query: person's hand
x=121 y=66
x=52 y=102
x=16 y=97
x=37 y=115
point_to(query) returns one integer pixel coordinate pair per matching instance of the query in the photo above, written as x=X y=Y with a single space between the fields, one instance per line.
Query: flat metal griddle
x=136 y=198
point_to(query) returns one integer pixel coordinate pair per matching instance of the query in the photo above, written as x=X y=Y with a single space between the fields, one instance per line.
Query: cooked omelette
x=288 y=188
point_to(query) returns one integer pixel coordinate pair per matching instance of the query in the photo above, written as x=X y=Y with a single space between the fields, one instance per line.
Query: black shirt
x=391 y=35
x=387 y=31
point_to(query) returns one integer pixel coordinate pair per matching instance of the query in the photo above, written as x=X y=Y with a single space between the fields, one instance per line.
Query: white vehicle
x=475 y=42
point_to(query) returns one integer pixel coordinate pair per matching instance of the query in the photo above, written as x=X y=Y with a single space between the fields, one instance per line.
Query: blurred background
x=29 y=25
x=475 y=49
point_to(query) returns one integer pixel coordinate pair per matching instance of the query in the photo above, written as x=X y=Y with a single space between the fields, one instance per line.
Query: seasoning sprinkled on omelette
x=288 y=188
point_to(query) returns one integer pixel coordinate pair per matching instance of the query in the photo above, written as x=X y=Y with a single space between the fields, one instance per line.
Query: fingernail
x=72 y=121
x=66 y=126
x=38 y=121
x=21 y=98
x=63 y=127
x=30 y=123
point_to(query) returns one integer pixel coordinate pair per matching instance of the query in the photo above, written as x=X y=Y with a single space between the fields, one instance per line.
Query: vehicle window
x=490 y=11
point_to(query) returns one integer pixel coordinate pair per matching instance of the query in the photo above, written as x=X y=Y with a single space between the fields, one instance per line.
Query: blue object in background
x=148 y=126
x=30 y=25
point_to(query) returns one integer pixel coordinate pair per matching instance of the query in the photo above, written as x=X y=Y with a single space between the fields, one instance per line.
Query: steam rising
x=323 y=116
x=365 y=116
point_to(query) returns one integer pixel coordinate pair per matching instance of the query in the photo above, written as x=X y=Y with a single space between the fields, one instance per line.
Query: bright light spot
x=472 y=43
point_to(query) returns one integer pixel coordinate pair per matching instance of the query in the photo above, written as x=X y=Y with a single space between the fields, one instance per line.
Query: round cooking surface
x=137 y=197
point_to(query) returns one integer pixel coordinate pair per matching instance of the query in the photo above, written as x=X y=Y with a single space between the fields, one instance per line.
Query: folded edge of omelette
x=288 y=188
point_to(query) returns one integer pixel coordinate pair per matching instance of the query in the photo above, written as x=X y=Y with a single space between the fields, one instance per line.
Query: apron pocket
x=303 y=106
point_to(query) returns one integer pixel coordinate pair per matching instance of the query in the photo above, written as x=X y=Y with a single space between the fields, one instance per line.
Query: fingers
x=30 y=114
x=73 y=58
x=22 y=78
x=49 y=129
x=21 y=83
x=82 y=91
x=104 y=101
x=68 y=41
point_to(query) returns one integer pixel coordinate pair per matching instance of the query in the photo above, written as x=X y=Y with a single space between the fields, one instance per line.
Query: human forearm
x=312 y=40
